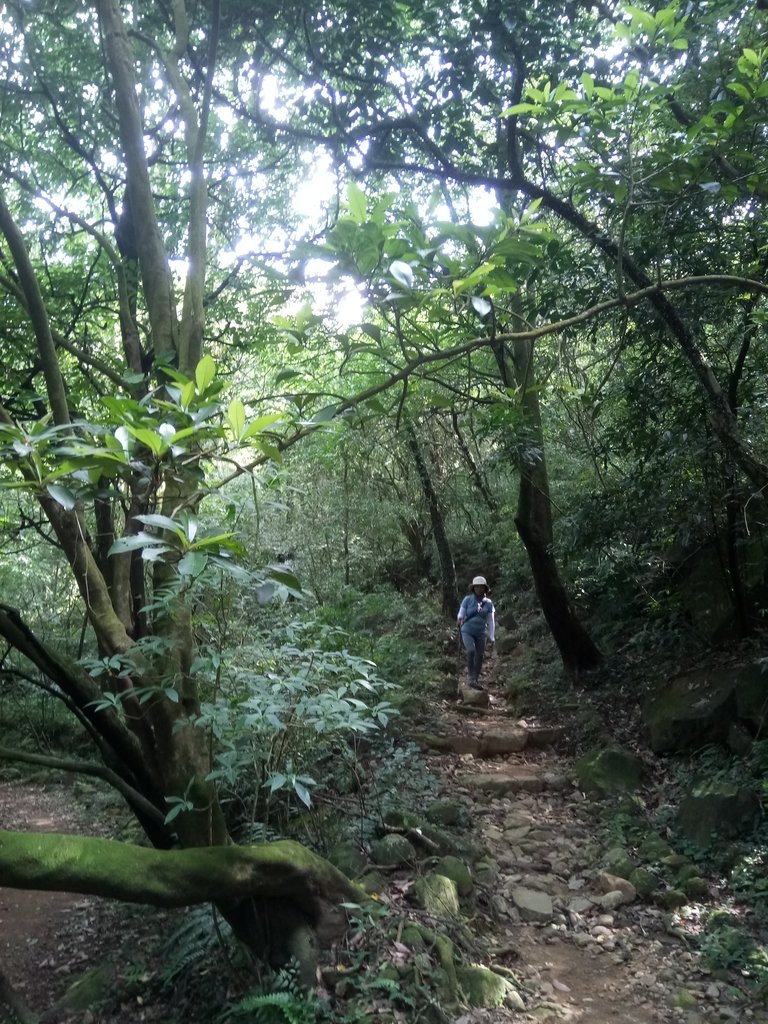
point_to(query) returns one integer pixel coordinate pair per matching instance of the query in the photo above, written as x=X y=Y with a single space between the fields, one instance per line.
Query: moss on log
x=174 y=878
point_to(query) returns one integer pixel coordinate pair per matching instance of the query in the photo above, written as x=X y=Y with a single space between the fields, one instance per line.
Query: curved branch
x=172 y=878
x=99 y=771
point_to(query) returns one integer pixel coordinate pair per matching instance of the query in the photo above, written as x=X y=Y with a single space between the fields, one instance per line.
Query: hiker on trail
x=476 y=618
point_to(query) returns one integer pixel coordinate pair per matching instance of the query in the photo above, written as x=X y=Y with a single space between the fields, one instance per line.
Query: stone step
x=497 y=741
x=520 y=779
x=489 y=743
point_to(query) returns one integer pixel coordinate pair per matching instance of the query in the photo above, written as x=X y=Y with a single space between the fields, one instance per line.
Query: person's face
x=479 y=592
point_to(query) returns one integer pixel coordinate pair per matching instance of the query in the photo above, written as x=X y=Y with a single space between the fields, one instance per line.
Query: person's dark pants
x=475 y=648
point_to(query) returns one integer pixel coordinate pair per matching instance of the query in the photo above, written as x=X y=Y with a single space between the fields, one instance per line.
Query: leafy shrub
x=282 y=710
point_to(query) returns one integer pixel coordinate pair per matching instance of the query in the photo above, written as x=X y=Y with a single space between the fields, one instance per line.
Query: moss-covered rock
x=685 y=872
x=348 y=858
x=482 y=988
x=644 y=881
x=691 y=711
x=372 y=881
x=717 y=807
x=413 y=937
x=609 y=770
x=449 y=813
x=618 y=862
x=458 y=872
x=686 y=1000
x=695 y=887
x=437 y=895
x=397 y=817
x=393 y=851
x=671 y=899
x=89 y=990
x=654 y=848
x=486 y=871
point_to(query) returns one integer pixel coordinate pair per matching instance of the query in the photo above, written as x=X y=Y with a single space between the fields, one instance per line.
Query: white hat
x=479 y=581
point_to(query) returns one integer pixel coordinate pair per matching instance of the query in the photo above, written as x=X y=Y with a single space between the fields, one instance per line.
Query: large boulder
x=482 y=988
x=717 y=808
x=348 y=858
x=609 y=770
x=691 y=711
x=393 y=851
x=437 y=895
x=751 y=690
x=458 y=872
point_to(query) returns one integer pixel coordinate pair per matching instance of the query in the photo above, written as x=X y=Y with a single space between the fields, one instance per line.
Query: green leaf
x=236 y=417
x=358 y=205
x=148 y=438
x=192 y=564
x=258 y=425
x=134 y=542
x=171 y=694
x=286 y=578
x=187 y=394
x=205 y=371
x=286 y=374
x=521 y=108
x=324 y=415
x=302 y=793
x=402 y=273
x=162 y=523
x=62 y=495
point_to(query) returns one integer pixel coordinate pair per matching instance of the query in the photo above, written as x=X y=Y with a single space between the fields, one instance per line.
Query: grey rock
x=533 y=905
x=612 y=900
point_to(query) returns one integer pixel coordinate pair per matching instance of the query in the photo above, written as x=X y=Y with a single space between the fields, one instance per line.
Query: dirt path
x=46 y=938
x=575 y=960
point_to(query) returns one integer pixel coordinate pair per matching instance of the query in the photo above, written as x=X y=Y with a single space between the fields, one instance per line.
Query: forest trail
x=574 y=959
x=31 y=953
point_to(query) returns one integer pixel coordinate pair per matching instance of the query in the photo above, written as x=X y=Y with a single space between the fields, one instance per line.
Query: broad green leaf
x=286 y=374
x=148 y=438
x=193 y=563
x=62 y=495
x=236 y=417
x=262 y=423
x=205 y=371
x=187 y=394
x=162 y=523
x=324 y=415
x=358 y=205
x=402 y=273
x=286 y=578
x=134 y=542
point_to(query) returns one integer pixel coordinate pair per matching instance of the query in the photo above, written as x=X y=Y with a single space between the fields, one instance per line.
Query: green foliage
x=727 y=944
x=287 y=1002
x=280 y=710
x=198 y=935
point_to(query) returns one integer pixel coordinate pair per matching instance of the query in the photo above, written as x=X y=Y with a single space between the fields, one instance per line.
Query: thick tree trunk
x=534 y=524
x=448 y=582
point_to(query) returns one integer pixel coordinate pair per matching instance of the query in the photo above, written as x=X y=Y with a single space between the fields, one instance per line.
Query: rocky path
x=582 y=946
